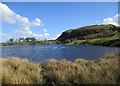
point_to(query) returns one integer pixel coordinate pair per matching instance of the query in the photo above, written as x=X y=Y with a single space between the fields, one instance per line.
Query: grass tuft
x=100 y=71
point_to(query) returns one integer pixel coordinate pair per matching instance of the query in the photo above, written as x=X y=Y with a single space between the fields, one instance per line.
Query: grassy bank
x=112 y=41
x=21 y=71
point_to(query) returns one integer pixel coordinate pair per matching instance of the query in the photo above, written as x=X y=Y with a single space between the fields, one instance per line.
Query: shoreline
x=65 y=44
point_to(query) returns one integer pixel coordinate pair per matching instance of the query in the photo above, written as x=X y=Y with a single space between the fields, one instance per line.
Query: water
x=41 y=53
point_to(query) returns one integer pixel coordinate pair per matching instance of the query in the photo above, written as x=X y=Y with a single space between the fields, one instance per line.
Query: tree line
x=28 y=39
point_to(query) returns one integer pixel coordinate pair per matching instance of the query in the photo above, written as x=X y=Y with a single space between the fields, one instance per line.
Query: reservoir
x=45 y=52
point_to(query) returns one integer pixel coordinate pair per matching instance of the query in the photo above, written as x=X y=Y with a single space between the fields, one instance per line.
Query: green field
x=94 y=41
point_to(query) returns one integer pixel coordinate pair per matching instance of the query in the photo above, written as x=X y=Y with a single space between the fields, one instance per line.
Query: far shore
x=14 y=44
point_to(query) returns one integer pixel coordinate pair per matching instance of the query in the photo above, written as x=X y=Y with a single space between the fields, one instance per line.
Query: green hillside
x=106 y=35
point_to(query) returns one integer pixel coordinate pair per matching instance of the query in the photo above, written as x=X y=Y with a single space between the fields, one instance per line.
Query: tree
x=21 y=39
x=11 y=40
x=28 y=39
x=33 y=39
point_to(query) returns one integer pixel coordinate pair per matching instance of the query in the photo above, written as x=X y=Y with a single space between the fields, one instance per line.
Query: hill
x=106 y=35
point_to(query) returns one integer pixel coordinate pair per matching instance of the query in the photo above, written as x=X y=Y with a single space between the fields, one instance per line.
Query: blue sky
x=52 y=18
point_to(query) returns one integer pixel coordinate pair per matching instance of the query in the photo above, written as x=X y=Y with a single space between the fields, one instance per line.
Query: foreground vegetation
x=100 y=71
x=19 y=71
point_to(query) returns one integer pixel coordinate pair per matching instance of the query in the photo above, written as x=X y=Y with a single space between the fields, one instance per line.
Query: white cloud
x=4 y=37
x=55 y=36
x=58 y=35
x=6 y=14
x=113 y=20
x=38 y=36
x=37 y=22
x=97 y=21
x=9 y=16
x=45 y=30
x=24 y=31
x=46 y=35
x=27 y=32
x=2 y=34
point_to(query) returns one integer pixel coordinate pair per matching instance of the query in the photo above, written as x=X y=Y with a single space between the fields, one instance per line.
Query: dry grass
x=101 y=71
x=20 y=71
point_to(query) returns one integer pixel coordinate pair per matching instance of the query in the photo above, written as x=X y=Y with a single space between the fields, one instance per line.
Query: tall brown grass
x=101 y=71
x=20 y=71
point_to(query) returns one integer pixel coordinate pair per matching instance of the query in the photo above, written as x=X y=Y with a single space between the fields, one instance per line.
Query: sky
x=47 y=20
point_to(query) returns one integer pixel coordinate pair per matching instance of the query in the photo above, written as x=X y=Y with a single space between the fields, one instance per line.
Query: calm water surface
x=41 y=53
